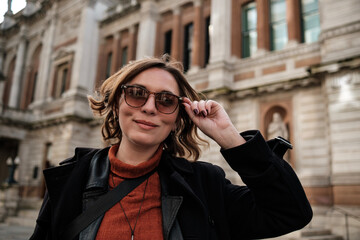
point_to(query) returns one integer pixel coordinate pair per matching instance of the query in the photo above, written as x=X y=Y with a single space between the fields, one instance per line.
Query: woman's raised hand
x=211 y=118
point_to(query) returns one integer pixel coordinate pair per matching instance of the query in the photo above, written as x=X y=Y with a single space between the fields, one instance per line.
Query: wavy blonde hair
x=185 y=141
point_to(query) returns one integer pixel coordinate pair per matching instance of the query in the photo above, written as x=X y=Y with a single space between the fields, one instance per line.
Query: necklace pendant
x=132 y=236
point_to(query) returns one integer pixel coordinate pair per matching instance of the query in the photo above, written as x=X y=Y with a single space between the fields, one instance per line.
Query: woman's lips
x=146 y=124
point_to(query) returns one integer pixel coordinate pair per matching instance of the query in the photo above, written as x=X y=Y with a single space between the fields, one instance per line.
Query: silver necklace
x=138 y=215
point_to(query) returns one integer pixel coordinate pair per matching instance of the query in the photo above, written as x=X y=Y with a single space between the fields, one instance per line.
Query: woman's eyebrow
x=162 y=91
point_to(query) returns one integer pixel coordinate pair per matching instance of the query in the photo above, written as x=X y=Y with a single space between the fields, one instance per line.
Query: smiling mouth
x=146 y=123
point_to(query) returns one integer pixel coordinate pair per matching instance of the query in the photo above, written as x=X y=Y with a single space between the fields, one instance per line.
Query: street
x=10 y=232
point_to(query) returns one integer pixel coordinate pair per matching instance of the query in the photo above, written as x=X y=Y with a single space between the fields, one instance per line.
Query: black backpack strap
x=101 y=205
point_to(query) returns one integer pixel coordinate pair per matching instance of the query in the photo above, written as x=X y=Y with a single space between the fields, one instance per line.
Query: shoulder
x=80 y=160
x=208 y=169
x=83 y=153
x=185 y=166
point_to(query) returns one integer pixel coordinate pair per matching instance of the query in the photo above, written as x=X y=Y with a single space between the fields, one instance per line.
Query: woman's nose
x=150 y=105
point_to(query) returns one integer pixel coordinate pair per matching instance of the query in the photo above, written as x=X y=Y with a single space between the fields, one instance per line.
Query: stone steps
x=27 y=213
x=323 y=237
x=26 y=218
x=318 y=234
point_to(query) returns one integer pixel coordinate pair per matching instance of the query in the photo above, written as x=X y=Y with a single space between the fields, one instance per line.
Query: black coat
x=272 y=203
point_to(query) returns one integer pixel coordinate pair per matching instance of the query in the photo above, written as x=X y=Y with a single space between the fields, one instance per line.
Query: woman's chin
x=146 y=142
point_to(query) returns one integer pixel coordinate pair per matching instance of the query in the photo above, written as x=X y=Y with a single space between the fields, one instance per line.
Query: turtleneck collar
x=125 y=170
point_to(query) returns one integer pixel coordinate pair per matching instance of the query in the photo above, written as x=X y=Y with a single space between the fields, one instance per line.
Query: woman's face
x=146 y=126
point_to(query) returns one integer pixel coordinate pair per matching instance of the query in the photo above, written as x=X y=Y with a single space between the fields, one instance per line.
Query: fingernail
x=203 y=113
x=196 y=111
x=207 y=111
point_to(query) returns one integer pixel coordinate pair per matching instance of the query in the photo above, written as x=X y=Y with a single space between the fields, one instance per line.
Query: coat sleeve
x=274 y=202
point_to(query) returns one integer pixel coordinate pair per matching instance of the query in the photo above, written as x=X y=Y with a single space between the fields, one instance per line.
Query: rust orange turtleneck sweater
x=149 y=224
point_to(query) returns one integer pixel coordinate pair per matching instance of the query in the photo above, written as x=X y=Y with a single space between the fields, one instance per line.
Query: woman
x=152 y=114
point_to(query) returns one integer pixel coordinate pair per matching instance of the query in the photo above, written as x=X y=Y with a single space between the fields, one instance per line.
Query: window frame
x=109 y=59
x=302 y=21
x=63 y=61
x=277 y=23
x=247 y=31
x=168 y=41
x=188 y=45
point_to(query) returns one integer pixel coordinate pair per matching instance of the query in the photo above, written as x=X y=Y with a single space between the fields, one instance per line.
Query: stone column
x=84 y=68
x=100 y=75
x=2 y=70
x=219 y=66
x=293 y=21
x=16 y=86
x=147 y=29
x=116 y=52
x=175 y=40
x=44 y=80
x=198 y=40
x=221 y=30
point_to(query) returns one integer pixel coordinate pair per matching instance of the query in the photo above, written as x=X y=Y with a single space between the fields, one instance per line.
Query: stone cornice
x=114 y=14
x=26 y=119
x=335 y=66
x=274 y=56
x=340 y=31
x=262 y=90
x=276 y=87
x=52 y=112
x=58 y=121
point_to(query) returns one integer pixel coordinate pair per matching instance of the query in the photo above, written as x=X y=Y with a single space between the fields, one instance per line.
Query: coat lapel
x=173 y=173
x=169 y=206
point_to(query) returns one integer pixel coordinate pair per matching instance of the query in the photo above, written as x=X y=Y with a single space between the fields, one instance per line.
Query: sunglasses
x=136 y=96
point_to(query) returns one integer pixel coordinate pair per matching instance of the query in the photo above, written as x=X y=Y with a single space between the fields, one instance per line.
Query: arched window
x=8 y=82
x=31 y=79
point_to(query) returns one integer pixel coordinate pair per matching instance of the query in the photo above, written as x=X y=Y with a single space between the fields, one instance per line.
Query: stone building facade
x=298 y=59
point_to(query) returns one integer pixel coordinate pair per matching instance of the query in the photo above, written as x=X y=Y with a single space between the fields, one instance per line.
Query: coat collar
x=99 y=168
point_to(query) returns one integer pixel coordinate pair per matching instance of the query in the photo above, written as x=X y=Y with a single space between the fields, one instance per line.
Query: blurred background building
x=286 y=67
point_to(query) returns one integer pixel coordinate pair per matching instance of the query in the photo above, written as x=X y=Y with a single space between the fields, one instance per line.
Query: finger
x=202 y=108
x=208 y=106
x=195 y=107
x=187 y=100
x=189 y=111
x=192 y=105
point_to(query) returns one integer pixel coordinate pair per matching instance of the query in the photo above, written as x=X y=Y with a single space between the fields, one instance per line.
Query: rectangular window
x=61 y=80
x=278 y=26
x=248 y=30
x=188 y=38
x=108 y=65
x=207 y=40
x=310 y=20
x=168 y=39
x=124 y=56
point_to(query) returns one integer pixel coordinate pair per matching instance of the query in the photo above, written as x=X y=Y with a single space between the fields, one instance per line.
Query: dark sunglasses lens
x=135 y=96
x=166 y=103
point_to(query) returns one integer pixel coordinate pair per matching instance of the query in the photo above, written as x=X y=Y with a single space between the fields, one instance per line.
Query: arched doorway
x=8 y=149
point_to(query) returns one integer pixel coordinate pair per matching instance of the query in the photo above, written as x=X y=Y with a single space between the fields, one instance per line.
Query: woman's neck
x=134 y=155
